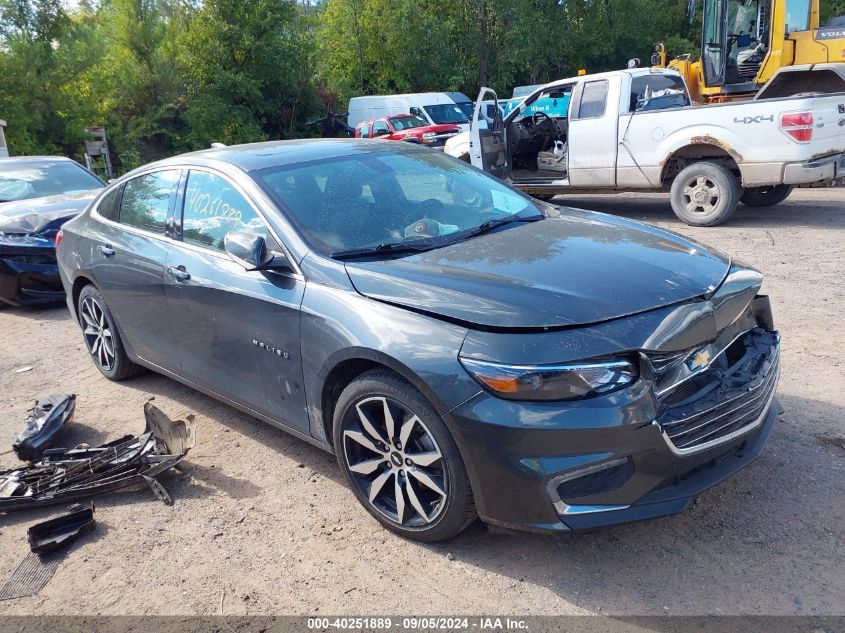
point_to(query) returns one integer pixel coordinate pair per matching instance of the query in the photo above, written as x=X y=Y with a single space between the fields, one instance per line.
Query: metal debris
x=30 y=577
x=65 y=475
x=43 y=426
x=59 y=532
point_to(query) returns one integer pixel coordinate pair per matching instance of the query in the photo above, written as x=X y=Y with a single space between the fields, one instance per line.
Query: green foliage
x=166 y=76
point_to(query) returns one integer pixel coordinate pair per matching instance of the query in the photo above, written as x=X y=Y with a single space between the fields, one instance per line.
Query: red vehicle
x=406 y=127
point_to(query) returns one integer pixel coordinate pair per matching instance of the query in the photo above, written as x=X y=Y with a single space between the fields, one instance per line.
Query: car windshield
x=23 y=180
x=447 y=113
x=392 y=199
x=407 y=122
x=468 y=108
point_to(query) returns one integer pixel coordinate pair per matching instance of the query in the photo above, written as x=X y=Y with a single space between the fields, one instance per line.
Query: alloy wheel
x=98 y=334
x=394 y=461
x=701 y=195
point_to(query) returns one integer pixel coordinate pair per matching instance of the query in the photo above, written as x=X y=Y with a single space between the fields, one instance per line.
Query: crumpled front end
x=702 y=409
x=28 y=270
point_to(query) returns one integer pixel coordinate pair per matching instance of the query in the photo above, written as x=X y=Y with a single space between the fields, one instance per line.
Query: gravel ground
x=262 y=523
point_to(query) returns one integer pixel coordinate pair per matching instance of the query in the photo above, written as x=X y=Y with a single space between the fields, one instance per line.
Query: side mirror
x=250 y=251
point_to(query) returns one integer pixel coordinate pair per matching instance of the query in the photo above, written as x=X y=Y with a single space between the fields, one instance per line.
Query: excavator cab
x=735 y=40
x=744 y=42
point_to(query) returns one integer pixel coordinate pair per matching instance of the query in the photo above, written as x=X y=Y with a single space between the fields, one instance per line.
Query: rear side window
x=365 y=131
x=213 y=208
x=146 y=200
x=109 y=206
x=593 y=100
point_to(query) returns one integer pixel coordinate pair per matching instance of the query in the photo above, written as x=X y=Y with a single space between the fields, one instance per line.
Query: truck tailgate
x=828 y=125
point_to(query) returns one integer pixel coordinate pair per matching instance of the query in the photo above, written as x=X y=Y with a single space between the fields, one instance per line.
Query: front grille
x=728 y=396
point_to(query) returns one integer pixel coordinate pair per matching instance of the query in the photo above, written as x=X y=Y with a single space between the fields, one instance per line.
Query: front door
x=714 y=42
x=129 y=258
x=237 y=330
x=487 y=149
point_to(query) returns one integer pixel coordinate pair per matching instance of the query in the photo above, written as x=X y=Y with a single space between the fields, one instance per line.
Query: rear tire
x=705 y=194
x=765 y=196
x=101 y=336
x=400 y=460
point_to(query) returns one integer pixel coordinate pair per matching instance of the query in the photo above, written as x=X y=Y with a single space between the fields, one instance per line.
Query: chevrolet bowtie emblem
x=699 y=360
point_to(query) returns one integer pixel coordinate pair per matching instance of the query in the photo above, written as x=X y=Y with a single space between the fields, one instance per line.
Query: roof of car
x=34 y=159
x=253 y=156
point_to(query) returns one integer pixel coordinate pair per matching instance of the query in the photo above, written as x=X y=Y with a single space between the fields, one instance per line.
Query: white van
x=433 y=107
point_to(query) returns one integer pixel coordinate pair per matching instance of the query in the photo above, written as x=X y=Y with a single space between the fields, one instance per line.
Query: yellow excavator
x=744 y=42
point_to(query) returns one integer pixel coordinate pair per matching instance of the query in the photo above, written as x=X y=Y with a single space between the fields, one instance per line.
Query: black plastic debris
x=57 y=533
x=66 y=475
x=44 y=425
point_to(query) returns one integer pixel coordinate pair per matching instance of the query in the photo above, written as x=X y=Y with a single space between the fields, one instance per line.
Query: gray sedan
x=464 y=349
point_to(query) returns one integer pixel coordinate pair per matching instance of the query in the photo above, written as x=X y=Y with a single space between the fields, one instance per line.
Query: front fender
x=340 y=325
x=458 y=145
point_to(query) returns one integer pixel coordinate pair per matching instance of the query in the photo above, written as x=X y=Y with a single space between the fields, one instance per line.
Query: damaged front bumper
x=29 y=273
x=700 y=411
x=66 y=475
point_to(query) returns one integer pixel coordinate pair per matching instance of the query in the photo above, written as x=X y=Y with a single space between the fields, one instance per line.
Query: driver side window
x=380 y=129
x=213 y=208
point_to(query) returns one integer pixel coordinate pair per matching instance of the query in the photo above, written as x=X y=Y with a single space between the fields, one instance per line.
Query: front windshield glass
x=468 y=108
x=406 y=197
x=446 y=113
x=407 y=122
x=24 y=180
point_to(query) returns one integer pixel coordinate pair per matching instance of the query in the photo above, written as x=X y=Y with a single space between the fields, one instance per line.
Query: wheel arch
x=686 y=155
x=344 y=367
x=79 y=283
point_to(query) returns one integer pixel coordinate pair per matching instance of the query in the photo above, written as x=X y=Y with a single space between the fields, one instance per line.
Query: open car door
x=487 y=149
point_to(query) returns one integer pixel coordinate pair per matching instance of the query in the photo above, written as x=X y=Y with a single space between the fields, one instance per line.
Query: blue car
x=37 y=196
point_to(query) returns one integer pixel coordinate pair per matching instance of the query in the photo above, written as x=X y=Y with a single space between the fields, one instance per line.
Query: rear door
x=237 y=331
x=129 y=256
x=593 y=127
x=487 y=149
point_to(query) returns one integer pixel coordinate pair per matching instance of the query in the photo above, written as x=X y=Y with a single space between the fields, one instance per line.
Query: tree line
x=167 y=76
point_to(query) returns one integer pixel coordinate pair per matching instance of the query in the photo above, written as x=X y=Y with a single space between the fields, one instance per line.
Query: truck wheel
x=765 y=196
x=705 y=194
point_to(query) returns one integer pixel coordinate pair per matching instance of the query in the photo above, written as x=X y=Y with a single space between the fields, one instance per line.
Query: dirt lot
x=263 y=521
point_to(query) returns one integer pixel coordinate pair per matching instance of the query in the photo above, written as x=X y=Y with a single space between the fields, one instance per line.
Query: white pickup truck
x=636 y=130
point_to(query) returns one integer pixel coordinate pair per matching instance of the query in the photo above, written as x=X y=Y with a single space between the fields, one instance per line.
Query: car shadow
x=708 y=559
x=46 y=313
x=797 y=210
x=210 y=410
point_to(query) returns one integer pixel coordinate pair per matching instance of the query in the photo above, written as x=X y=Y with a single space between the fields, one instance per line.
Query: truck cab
x=636 y=129
x=566 y=133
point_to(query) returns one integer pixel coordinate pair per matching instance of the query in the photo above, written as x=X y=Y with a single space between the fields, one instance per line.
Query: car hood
x=35 y=215
x=575 y=269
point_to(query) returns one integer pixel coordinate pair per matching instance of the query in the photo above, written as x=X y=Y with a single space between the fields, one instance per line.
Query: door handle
x=106 y=250
x=179 y=273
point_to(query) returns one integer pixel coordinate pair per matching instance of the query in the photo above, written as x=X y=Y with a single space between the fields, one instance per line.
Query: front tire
x=705 y=194
x=101 y=336
x=400 y=460
x=765 y=196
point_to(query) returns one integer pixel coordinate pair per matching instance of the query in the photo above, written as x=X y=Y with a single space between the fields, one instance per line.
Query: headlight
x=552 y=382
x=429 y=134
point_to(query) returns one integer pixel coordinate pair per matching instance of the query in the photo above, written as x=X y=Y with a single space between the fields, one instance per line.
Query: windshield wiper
x=390 y=248
x=488 y=226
